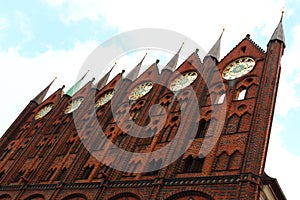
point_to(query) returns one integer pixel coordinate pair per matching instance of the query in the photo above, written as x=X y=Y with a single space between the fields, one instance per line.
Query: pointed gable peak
x=172 y=64
x=40 y=97
x=215 y=50
x=133 y=74
x=76 y=86
x=279 y=33
x=102 y=82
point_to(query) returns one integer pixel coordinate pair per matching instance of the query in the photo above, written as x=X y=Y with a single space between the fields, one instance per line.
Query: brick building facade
x=44 y=152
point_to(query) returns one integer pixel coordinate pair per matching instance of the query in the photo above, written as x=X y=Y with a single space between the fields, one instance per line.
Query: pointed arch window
x=242 y=94
x=19 y=175
x=154 y=165
x=4 y=154
x=132 y=168
x=222 y=162
x=134 y=114
x=193 y=164
x=2 y=174
x=50 y=173
x=87 y=171
x=45 y=150
x=235 y=160
x=221 y=98
x=167 y=134
x=76 y=147
x=102 y=143
x=120 y=139
x=233 y=124
x=62 y=174
x=37 y=150
x=17 y=153
x=66 y=147
x=202 y=128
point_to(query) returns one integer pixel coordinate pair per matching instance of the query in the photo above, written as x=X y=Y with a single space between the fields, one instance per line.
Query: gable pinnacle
x=76 y=86
x=215 y=50
x=172 y=64
x=133 y=74
x=40 y=97
x=102 y=82
x=279 y=33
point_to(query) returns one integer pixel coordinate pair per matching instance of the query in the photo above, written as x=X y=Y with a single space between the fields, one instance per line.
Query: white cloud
x=191 y=18
x=25 y=77
x=287 y=89
x=290 y=76
x=282 y=164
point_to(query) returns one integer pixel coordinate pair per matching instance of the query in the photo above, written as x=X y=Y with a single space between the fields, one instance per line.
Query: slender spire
x=102 y=82
x=279 y=33
x=172 y=64
x=76 y=86
x=215 y=50
x=40 y=97
x=133 y=74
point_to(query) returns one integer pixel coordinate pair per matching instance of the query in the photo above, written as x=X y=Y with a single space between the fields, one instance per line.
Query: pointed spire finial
x=85 y=75
x=282 y=12
x=172 y=64
x=76 y=86
x=133 y=74
x=40 y=97
x=279 y=33
x=102 y=82
x=215 y=50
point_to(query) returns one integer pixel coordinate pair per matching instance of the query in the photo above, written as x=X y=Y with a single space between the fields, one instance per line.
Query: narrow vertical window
x=202 y=128
x=221 y=98
x=87 y=171
x=2 y=174
x=62 y=174
x=242 y=94
x=50 y=174
x=19 y=175
x=4 y=154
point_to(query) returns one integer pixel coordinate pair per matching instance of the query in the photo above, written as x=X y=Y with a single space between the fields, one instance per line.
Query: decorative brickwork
x=44 y=158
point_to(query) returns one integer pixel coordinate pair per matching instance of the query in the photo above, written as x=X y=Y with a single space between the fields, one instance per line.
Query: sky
x=44 y=39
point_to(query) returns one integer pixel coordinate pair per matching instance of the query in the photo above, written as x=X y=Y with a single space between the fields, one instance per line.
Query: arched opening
x=202 y=128
x=235 y=160
x=5 y=197
x=4 y=154
x=50 y=173
x=168 y=133
x=220 y=97
x=120 y=139
x=87 y=171
x=75 y=197
x=241 y=95
x=125 y=196
x=62 y=174
x=2 y=173
x=222 y=162
x=35 y=197
x=190 y=195
x=19 y=175
x=154 y=164
x=193 y=164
